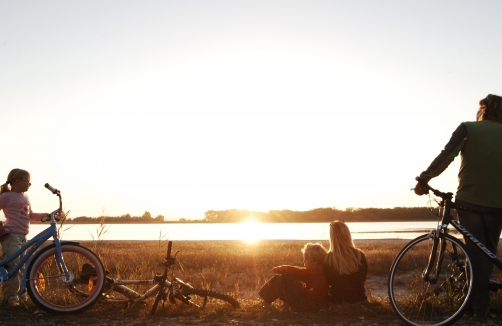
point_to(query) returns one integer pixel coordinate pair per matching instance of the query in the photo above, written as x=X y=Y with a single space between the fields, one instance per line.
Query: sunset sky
x=179 y=107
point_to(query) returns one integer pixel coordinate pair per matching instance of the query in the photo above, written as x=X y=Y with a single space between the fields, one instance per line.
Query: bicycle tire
x=48 y=289
x=198 y=297
x=440 y=301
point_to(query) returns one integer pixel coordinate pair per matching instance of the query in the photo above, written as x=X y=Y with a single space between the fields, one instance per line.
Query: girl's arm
x=37 y=216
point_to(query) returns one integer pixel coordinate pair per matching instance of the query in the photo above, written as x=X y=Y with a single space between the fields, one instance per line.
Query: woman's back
x=346 y=287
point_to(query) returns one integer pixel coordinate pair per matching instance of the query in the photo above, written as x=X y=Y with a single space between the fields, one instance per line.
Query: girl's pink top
x=17 y=210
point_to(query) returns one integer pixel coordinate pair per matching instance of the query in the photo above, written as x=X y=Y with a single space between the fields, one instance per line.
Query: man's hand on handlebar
x=421 y=187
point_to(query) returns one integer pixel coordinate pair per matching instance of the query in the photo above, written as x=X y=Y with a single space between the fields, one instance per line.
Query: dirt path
x=376 y=313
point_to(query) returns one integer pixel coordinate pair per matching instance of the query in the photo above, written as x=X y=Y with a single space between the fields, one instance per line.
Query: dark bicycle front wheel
x=442 y=298
x=55 y=292
x=199 y=297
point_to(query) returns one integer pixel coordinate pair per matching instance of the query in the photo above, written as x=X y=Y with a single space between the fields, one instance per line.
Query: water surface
x=238 y=231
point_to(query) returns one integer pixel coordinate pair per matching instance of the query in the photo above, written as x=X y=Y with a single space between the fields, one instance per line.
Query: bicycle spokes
x=439 y=299
x=41 y=281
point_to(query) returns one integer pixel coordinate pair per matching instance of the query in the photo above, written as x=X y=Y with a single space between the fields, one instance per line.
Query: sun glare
x=250 y=231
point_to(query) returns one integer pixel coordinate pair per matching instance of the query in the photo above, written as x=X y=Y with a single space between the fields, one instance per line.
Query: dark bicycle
x=431 y=279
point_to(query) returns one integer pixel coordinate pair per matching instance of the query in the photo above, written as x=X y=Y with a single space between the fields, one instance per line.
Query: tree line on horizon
x=280 y=216
x=323 y=215
x=126 y=218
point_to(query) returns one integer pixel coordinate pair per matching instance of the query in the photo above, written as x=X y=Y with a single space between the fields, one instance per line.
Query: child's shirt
x=17 y=210
x=315 y=284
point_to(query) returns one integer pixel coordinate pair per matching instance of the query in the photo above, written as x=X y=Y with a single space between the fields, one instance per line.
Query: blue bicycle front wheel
x=55 y=292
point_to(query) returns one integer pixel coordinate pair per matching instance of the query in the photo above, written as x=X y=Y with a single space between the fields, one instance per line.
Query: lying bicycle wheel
x=200 y=297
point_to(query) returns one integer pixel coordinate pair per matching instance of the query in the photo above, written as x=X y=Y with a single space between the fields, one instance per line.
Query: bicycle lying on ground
x=431 y=279
x=50 y=272
x=165 y=287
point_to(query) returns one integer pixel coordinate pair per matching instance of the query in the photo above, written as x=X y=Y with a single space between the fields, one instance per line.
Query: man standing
x=479 y=189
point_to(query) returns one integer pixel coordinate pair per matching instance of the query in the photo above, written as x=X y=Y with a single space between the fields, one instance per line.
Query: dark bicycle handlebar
x=426 y=188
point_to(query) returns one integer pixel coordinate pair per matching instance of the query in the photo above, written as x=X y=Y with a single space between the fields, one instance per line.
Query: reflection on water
x=240 y=231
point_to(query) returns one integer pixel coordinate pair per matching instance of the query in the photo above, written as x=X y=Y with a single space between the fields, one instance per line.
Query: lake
x=239 y=231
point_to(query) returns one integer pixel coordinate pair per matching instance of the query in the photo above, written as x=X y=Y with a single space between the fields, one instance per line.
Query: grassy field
x=232 y=267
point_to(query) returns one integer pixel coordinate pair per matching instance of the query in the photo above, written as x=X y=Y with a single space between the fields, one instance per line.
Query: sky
x=180 y=107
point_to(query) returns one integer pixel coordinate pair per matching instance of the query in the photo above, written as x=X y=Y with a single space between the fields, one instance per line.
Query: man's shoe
x=479 y=317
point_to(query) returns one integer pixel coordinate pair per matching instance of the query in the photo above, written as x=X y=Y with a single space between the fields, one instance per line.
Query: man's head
x=490 y=108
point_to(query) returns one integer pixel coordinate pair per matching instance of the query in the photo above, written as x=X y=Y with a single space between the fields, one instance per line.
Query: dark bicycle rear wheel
x=440 y=300
x=199 y=297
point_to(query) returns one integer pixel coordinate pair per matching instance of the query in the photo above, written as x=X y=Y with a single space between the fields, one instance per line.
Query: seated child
x=300 y=287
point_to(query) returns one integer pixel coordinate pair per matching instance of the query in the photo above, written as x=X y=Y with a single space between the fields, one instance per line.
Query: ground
x=375 y=313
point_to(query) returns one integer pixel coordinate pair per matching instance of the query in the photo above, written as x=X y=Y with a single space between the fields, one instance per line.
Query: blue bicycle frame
x=36 y=243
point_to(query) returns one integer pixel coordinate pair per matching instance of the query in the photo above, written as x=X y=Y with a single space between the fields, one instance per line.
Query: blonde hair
x=342 y=255
x=14 y=175
x=490 y=108
x=314 y=251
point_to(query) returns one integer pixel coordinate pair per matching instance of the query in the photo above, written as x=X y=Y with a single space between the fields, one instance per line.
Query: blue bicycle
x=52 y=272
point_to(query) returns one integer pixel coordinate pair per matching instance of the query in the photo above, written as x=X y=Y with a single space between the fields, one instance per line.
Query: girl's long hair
x=342 y=255
x=14 y=174
x=490 y=108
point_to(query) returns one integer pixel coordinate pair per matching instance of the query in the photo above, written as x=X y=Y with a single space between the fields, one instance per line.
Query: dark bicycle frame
x=447 y=204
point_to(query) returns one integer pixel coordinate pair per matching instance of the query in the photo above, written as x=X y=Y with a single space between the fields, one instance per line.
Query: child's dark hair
x=14 y=175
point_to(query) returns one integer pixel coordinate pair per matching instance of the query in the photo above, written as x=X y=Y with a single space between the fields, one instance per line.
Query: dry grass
x=235 y=268
x=240 y=269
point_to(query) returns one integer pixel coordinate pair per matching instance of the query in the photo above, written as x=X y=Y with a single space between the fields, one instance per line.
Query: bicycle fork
x=67 y=277
x=434 y=234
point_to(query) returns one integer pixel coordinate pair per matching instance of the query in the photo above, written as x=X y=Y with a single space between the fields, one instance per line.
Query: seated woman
x=300 y=287
x=345 y=266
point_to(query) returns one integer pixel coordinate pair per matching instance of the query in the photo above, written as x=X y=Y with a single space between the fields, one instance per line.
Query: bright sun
x=250 y=231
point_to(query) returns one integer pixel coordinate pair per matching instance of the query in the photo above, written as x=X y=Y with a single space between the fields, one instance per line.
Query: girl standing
x=17 y=210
